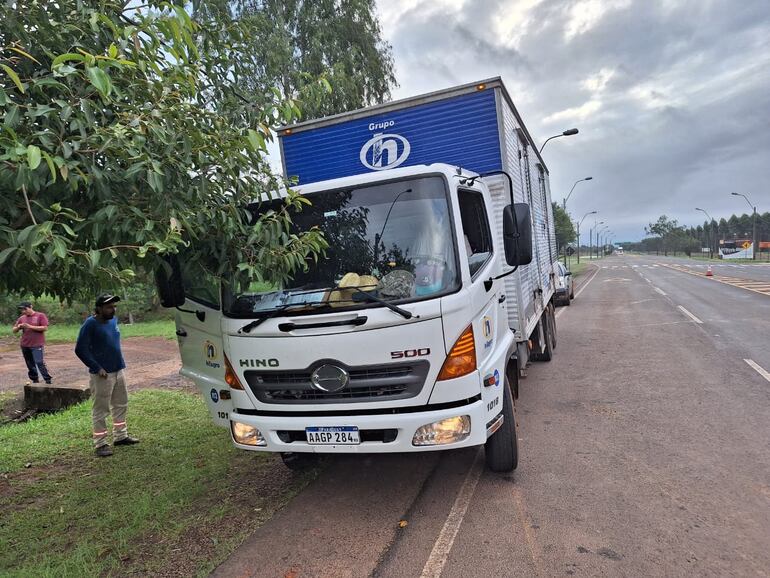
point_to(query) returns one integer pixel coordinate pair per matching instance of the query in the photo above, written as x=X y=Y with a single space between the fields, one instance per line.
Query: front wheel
x=502 y=449
x=299 y=462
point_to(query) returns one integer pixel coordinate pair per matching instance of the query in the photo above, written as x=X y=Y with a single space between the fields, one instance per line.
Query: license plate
x=333 y=436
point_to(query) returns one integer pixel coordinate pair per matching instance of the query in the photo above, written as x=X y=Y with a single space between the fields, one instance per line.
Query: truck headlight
x=446 y=431
x=247 y=435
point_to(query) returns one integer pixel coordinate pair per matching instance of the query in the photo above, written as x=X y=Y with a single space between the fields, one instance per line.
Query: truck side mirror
x=517 y=234
x=168 y=278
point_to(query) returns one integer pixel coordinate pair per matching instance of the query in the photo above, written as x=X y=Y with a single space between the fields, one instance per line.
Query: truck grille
x=369 y=383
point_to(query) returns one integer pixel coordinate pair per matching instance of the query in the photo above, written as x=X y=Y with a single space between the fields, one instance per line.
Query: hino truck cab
x=396 y=341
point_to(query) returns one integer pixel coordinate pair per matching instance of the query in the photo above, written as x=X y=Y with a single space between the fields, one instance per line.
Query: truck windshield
x=392 y=241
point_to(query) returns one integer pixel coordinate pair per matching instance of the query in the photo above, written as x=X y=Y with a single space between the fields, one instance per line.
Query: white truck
x=435 y=293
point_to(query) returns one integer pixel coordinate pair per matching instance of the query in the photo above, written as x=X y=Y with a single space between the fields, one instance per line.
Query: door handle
x=501 y=299
x=181 y=333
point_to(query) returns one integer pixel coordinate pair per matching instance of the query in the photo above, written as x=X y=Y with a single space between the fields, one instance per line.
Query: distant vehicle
x=618 y=250
x=564 y=285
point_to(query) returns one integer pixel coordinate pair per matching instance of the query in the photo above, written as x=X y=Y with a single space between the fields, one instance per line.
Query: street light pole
x=569 y=132
x=711 y=241
x=578 y=231
x=591 y=238
x=598 y=232
x=754 y=232
x=564 y=202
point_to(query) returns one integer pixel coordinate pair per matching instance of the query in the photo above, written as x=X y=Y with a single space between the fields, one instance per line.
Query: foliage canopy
x=115 y=149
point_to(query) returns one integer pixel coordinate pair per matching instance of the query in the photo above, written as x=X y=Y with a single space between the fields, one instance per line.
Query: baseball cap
x=24 y=304
x=106 y=298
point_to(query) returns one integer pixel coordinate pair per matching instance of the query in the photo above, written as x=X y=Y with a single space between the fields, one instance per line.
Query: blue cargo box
x=459 y=126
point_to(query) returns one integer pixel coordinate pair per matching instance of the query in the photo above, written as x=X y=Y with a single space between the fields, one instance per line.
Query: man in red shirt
x=33 y=326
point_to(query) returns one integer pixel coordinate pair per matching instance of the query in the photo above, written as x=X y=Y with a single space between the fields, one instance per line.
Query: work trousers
x=33 y=357
x=109 y=392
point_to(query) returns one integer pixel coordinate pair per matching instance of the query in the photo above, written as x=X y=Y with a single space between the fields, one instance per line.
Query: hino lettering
x=259 y=363
x=435 y=293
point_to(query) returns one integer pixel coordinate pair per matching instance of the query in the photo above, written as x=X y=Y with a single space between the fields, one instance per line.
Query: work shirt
x=30 y=337
x=98 y=345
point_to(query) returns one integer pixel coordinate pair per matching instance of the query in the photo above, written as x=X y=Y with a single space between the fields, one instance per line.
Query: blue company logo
x=497 y=378
x=385 y=151
x=214 y=395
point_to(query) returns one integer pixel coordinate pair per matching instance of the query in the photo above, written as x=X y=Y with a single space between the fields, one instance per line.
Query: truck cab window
x=199 y=285
x=477 y=238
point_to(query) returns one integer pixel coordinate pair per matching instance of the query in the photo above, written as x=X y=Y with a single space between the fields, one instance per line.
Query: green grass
x=577 y=268
x=180 y=501
x=68 y=332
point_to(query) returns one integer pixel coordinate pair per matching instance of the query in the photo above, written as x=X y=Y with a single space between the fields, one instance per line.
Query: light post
x=569 y=132
x=711 y=241
x=754 y=232
x=564 y=202
x=601 y=230
x=591 y=238
x=578 y=231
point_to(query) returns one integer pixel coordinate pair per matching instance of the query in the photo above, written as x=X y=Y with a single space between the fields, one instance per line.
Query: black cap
x=25 y=304
x=106 y=298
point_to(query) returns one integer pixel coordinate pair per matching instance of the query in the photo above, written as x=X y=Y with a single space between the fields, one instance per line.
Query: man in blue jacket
x=98 y=347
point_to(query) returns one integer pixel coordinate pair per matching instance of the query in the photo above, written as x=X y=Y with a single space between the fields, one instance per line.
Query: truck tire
x=548 y=327
x=502 y=449
x=299 y=462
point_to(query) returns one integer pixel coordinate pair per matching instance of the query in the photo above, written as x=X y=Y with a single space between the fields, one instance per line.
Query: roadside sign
x=746 y=245
x=570 y=251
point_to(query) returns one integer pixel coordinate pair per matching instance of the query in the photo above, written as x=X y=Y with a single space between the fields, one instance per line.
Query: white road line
x=690 y=315
x=438 y=556
x=659 y=290
x=758 y=368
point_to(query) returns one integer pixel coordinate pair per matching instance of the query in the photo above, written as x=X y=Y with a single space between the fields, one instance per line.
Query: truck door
x=199 y=332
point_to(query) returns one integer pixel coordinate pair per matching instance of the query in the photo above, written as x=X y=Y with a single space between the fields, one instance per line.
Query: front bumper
x=405 y=424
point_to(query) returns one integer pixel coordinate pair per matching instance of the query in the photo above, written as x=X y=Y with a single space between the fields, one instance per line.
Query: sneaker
x=48 y=381
x=103 y=451
x=127 y=441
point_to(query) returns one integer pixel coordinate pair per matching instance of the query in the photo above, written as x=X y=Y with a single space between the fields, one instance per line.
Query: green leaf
x=5 y=253
x=256 y=140
x=62 y=58
x=100 y=80
x=51 y=168
x=93 y=257
x=14 y=77
x=59 y=247
x=33 y=157
x=113 y=50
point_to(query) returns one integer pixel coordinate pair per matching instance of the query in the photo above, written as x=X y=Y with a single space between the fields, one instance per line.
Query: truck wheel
x=502 y=450
x=547 y=325
x=299 y=462
x=552 y=329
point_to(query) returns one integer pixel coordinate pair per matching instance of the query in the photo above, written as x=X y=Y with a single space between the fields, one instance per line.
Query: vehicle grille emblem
x=329 y=378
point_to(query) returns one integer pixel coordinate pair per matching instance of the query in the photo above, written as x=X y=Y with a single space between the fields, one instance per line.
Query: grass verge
x=68 y=332
x=176 y=504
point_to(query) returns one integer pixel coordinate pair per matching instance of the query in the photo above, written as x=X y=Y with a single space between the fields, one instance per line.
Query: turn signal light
x=231 y=378
x=462 y=357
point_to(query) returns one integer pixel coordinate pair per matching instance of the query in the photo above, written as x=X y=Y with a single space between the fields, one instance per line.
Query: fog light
x=446 y=431
x=247 y=435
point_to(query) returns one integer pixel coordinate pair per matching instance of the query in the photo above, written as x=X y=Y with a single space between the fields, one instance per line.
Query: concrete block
x=44 y=397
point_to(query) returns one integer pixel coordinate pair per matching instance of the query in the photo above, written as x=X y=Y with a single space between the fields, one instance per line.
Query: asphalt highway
x=643 y=452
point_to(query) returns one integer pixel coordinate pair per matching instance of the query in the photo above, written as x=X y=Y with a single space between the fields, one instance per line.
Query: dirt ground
x=150 y=362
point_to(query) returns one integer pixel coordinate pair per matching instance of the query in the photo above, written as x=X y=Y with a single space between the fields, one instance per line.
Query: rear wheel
x=502 y=449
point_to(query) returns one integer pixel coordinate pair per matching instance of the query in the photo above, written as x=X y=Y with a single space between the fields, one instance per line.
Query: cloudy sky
x=672 y=97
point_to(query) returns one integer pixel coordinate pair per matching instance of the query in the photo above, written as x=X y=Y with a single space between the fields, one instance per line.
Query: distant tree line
x=668 y=236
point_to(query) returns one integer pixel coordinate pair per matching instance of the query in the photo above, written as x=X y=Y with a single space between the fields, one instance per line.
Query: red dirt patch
x=150 y=362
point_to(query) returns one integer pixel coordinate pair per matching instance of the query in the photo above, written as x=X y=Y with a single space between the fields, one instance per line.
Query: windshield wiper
x=278 y=310
x=369 y=297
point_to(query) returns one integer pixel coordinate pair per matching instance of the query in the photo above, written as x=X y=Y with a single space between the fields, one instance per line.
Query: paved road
x=759 y=271
x=644 y=453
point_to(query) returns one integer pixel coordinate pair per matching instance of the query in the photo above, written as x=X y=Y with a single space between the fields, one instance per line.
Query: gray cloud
x=672 y=98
